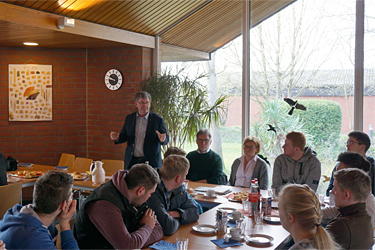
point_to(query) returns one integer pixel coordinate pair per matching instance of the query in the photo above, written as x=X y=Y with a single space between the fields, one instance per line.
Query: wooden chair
x=9 y=196
x=112 y=166
x=82 y=164
x=58 y=239
x=66 y=160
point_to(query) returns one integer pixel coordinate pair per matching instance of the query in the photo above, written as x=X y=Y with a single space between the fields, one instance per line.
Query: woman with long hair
x=300 y=215
x=249 y=166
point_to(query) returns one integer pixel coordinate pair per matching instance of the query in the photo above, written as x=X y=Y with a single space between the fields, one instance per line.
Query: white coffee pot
x=98 y=173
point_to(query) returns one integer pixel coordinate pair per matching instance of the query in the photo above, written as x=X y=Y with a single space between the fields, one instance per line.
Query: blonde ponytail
x=303 y=203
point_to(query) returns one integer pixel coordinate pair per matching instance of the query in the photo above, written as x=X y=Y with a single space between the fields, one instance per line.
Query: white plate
x=228 y=209
x=193 y=194
x=205 y=229
x=260 y=239
x=272 y=219
x=13 y=179
x=210 y=196
x=25 y=164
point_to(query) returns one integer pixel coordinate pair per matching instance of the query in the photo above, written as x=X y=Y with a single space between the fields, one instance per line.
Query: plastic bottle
x=259 y=198
x=254 y=197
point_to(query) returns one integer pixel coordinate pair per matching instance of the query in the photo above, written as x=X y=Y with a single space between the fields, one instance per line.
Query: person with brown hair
x=358 y=142
x=170 y=201
x=300 y=215
x=116 y=216
x=352 y=160
x=249 y=166
x=298 y=164
x=353 y=228
x=32 y=226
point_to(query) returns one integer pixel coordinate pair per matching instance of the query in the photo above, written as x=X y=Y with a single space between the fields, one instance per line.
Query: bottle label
x=253 y=197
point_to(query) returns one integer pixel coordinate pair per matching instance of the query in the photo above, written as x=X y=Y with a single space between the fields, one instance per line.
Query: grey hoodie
x=306 y=170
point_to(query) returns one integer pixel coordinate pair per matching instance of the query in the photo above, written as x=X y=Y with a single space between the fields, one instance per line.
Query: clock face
x=113 y=79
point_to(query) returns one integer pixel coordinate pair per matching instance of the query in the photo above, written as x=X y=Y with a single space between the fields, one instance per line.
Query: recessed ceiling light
x=30 y=44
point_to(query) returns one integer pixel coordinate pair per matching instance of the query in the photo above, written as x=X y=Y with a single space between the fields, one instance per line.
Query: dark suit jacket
x=152 y=144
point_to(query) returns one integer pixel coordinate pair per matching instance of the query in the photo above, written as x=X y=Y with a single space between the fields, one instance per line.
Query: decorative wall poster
x=30 y=92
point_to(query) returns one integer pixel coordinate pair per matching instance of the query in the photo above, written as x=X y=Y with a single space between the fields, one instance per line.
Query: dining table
x=85 y=184
x=197 y=240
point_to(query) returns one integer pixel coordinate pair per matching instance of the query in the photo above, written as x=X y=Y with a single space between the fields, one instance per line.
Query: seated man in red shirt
x=115 y=214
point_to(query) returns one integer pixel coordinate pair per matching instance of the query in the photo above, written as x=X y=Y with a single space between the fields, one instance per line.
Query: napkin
x=61 y=167
x=231 y=243
x=164 y=245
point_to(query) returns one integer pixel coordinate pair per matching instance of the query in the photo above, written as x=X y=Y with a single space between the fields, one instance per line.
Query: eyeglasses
x=144 y=103
x=203 y=140
x=352 y=142
x=249 y=147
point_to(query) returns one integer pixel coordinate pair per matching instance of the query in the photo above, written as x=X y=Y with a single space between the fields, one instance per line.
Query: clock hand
x=113 y=79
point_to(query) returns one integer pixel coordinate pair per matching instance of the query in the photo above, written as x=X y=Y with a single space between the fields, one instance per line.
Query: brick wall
x=84 y=110
x=107 y=109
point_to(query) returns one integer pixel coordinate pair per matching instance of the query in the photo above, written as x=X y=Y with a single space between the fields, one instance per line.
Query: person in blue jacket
x=170 y=201
x=144 y=132
x=31 y=226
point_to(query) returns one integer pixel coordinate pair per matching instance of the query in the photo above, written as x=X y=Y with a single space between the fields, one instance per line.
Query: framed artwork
x=30 y=92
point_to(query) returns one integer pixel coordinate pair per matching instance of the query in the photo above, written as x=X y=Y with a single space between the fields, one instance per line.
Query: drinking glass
x=245 y=205
x=182 y=243
x=242 y=225
x=258 y=216
x=222 y=227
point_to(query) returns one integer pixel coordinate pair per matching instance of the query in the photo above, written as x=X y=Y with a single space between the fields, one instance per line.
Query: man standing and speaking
x=144 y=132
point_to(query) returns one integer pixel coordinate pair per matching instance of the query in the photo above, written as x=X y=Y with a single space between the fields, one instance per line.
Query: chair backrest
x=82 y=164
x=9 y=196
x=66 y=160
x=112 y=166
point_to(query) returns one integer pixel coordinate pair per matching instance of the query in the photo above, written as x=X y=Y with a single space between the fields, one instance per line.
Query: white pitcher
x=98 y=174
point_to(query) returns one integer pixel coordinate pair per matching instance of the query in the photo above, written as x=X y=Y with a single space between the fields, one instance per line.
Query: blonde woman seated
x=300 y=215
x=249 y=166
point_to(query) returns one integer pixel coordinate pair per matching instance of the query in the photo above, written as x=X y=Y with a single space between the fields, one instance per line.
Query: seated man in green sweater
x=206 y=166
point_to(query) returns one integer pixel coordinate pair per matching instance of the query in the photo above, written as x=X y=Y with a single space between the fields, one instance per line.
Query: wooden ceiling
x=188 y=29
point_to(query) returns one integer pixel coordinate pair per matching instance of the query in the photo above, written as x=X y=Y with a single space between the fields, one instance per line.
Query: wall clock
x=113 y=79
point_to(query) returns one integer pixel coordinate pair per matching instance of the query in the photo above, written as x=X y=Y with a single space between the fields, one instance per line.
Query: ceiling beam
x=172 y=53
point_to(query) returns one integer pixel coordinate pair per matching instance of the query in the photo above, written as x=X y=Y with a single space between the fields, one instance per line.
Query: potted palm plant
x=183 y=103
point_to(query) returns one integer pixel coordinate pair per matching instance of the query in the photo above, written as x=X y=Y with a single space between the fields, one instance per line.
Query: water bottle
x=258 y=189
x=254 y=197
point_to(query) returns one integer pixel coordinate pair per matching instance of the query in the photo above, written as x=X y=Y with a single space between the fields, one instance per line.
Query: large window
x=305 y=53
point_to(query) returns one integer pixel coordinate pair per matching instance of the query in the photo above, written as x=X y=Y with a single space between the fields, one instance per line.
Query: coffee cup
x=236 y=215
x=235 y=232
x=210 y=192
